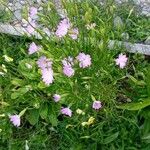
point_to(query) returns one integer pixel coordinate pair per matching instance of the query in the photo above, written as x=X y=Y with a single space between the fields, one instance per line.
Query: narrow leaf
x=33 y=116
x=110 y=138
x=135 y=106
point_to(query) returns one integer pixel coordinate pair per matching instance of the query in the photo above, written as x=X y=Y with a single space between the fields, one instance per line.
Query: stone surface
x=133 y=48
x=16 y=30
x=59 y=8
x=17 y=12
x=144 y=6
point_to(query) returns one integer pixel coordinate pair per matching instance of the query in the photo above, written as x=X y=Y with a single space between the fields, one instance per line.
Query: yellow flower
x=68 y=126
x=91 y=120
x=84 y=123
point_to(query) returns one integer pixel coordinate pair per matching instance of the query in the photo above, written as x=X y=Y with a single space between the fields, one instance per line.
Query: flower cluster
x=97 y=105
x=46 y=69
x=31 y=27
x=121 y=61
x=67 y=66
x=56 y=97
x=33 y=12
x=33 y=48
x=66 y=111
x=30 y=24
x=15 y=119
x=74 y=33
x=84 y=60
x=64 y=27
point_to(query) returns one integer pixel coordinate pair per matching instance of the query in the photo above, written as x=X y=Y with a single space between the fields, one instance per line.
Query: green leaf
x=135 y=106
x=29 y=73
x=85 y=137
x=33 y=116
x=41 y=85
x=93 y=98
x=146 y=127
x=17 y=82
x=140 y=83
x=20 y=92
x=4 y=104
x=146 y=137
x=110 y=138
x=22 y=112
x=88 y=16
x=44 y=111
x=52 y=117
x=148 y=81
x=86 y=78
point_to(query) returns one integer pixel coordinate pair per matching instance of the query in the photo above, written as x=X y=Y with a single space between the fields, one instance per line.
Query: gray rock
x=121 y=1
x=16 y=30
x=10 y=1
x=133 y=48
x=17 y=11
x=144 y=6
x=17 y=15
x=118 y=23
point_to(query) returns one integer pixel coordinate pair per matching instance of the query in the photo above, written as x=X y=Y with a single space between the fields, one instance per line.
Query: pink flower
x=33 y=11
x=33 y=48
x=46 y=68
x=47 y=76
x=43 y=62
x=56 y=97
x=84 y=60
x=74 y=33
x=68 y=70
x=68 y=61
x=67 y=66
x=121 y=61
x=97 y=105
x=31 y=27
x=66 y=111
x=62 y=28
x=15 y=119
